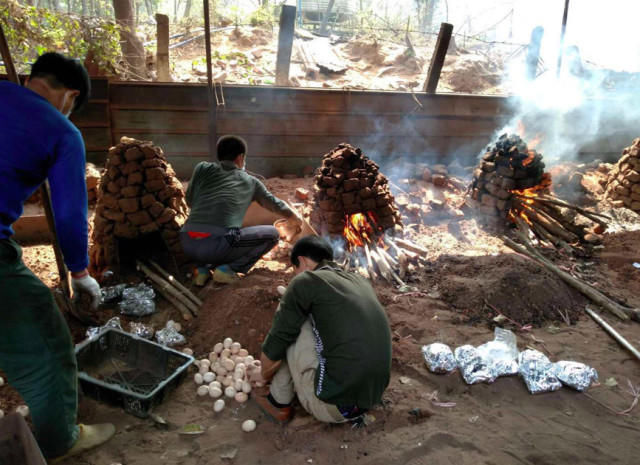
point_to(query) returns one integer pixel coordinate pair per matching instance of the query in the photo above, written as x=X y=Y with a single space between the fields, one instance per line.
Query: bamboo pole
x=168 y=287
x=613 y=333
x=176 y=283
x=596 y=296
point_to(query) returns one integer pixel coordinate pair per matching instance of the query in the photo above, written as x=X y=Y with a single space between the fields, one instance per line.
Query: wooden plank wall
x=290 y=129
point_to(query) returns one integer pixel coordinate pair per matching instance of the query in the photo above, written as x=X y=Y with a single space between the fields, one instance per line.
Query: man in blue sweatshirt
x=37 y=142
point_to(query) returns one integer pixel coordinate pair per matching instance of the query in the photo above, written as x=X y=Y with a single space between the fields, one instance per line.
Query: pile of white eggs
x=227 y=371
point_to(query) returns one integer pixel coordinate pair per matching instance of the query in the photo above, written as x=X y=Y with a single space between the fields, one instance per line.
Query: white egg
x=203 y=390
x=228 y=364
x=208 y=377
x=1 y=413
x=248 y=426
x=237 y=384
x=220 y=371
x=213 y=357
x=243 y=352
x=281 y=290
x=198 y=378
x=226 y=353
x=215 y=365
x=203 y=369
x=218 y=405
x=227 y=381
x=238 y=375
x=215 y=384
x=248 y=360
x=235 y=347
x=23 y=410
x=205 y=362
x=246 y=387
x=196 y=363
x=235 y=359
x=176 y=325
x=187 y=351
x=241 y=367
x=227 y=342
x=241 y=397
x=218 y=348
x=215 y=392
x=230 y=392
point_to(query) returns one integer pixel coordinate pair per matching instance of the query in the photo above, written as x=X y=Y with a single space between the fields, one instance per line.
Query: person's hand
x=83 y=283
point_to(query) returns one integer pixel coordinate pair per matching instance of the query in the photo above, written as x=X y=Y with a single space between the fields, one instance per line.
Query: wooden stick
x=387 y=265
x=370 y=268
x=384 y=271
x=168 y=287
x=553 y=211
x=593 y=216
x=546 y=222
x=389 y=259
x=184 y=311
x=437 y=60
x=285 y=44
x=412 y=246
x=596 y=296
x=176 y=283
x=613 y=333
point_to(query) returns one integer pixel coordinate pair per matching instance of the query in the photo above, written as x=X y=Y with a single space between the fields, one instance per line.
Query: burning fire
x=358 y=230
x=529 y=195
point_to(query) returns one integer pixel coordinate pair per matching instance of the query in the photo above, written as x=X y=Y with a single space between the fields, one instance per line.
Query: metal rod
x=613 y=333
x=562 y=33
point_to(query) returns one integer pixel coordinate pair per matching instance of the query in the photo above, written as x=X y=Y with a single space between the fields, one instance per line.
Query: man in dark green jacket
x=219 y=195
x=329 y=342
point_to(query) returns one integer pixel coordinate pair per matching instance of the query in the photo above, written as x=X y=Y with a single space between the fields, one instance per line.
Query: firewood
x=593 y=216
x=381 y=265
x=553 y=211
x=413 y=247
x=166 y=286
x=622 y=312
x=546 y=222
x=176 y=283
x=370 y=268
x=387 y=266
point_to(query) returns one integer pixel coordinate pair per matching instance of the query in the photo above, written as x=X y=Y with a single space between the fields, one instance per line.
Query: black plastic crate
x=127 y=370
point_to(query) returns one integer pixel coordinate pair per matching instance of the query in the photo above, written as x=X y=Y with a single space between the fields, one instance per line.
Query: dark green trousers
x=36 y=352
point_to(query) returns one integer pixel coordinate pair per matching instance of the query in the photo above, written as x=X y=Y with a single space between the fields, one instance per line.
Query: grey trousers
x=297 y=375
x=240 y=248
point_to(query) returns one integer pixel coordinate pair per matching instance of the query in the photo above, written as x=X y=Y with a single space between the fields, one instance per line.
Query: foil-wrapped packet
x=472 y=366
x=575 y=374
x=112 y=294
x=95 y=330
x=169 y=335
x=537 y=372
x=138 y=301
x=501 y=354
x=141 y=330
x=439 y=358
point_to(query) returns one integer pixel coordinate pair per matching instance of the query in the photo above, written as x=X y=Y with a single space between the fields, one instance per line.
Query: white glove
x=87 y=285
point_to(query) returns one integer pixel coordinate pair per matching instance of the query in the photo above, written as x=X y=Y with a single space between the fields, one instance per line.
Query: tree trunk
x=132 y=48
x=325 y=18
x=149 y=5
x=187 y=8
x=84 y=7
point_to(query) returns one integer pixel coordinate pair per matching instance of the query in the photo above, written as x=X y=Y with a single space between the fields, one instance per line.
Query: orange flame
x=359 y=231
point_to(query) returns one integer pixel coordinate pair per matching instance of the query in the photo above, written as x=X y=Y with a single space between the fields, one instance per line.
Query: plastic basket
x=127 y=370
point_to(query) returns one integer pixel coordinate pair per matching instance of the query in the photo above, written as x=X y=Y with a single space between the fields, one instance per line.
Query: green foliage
x=263 y=16
x=32 y=31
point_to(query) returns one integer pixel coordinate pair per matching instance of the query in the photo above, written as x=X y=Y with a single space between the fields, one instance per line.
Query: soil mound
x=515 y=287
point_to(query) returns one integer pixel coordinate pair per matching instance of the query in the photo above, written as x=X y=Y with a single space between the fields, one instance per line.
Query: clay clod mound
x=139 y=195
x=623 y=187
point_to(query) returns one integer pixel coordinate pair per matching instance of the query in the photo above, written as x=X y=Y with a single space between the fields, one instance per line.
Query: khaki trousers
x=297 y=375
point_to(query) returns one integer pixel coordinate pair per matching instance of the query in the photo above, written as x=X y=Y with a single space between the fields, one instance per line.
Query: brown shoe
x=280 y=415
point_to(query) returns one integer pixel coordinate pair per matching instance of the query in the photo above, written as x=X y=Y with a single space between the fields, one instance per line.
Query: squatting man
x=329 y=342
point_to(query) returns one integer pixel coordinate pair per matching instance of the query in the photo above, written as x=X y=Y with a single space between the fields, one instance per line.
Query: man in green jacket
x=329 y=342
x=219 y=195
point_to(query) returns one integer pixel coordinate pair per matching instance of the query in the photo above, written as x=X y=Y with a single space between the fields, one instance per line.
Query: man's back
x=352 y=332
x=36 y=142
x=219 y=194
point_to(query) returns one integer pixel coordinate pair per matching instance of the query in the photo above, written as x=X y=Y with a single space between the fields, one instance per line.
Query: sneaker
x=200 y=276
x=280 y=415
x=224 y=274
x=89 y=436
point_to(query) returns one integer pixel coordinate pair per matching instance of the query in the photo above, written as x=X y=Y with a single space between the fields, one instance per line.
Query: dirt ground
x=488 y=424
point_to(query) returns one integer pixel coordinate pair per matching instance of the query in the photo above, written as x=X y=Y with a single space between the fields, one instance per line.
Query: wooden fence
x=288 y=129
